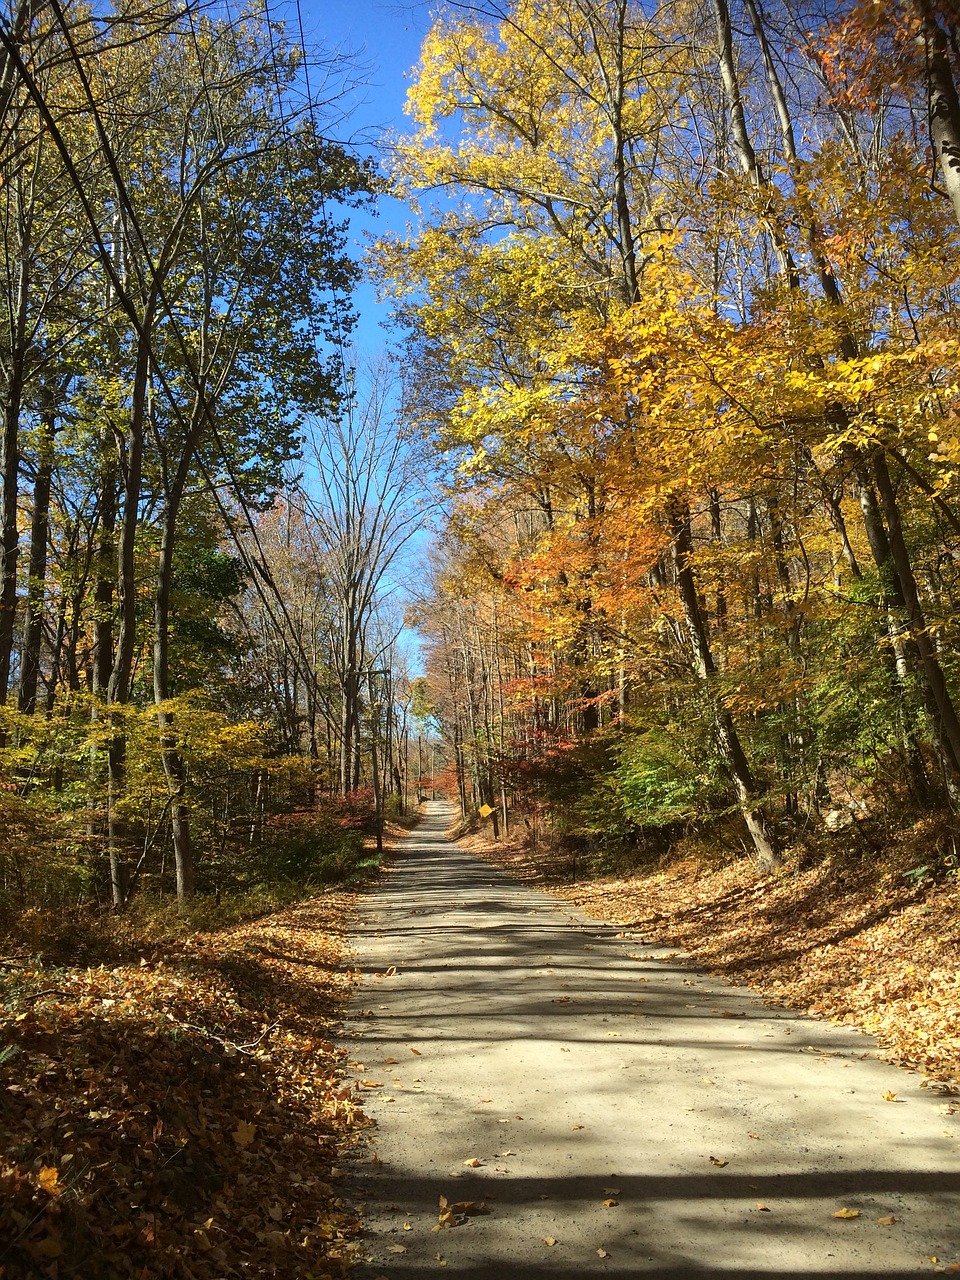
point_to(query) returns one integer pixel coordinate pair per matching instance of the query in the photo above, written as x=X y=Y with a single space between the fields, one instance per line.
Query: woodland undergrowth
x=861 y=927
x=174 y=1107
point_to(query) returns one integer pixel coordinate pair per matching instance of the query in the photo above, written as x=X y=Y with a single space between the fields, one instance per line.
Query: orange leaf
x=244 y=1133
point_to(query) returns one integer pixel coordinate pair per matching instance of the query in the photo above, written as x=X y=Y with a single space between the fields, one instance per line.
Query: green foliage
x=320 y=846
x=657 y=784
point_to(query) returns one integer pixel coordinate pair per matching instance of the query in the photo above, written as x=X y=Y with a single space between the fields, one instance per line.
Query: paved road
x=594 y=1077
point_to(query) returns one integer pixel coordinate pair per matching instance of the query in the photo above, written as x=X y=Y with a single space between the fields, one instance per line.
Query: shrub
x=323 y=845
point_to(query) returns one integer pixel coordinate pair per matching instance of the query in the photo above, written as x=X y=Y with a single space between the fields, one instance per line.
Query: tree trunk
x=118 y=685
x=947 y=722
x=39 y=529
x=174 y=767
x=944 y=105
x=728 y=740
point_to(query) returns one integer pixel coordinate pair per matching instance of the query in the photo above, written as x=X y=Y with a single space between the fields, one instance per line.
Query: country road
x=645 y=1118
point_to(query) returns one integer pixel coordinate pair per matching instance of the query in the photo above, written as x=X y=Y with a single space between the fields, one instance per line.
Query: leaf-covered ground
x=848 y=931
x=179 y=1114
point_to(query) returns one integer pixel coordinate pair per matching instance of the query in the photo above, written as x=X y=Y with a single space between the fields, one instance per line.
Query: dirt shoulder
x=848 y=935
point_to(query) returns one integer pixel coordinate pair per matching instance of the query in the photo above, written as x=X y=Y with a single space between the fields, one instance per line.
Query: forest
x=659 y=467
x=675 y=316
x=203 y=487
x=660 y=461
x=681 y=304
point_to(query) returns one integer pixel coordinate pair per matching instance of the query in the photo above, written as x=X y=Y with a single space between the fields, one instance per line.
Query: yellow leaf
x=49 y=1180
x=472 y=1163
x=610 y=1204
x=721 y=1164
x=549 y=1241
x=244 y=1133
x=888 y=1221
x=847 y=1213
x=888 y=1096
x=762 y=1208
x=372 y=1084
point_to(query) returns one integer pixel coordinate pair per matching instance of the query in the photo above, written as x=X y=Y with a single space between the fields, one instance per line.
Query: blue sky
x=384 y=38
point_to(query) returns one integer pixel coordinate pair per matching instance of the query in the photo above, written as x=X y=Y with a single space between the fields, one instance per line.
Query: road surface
x=617 y=1112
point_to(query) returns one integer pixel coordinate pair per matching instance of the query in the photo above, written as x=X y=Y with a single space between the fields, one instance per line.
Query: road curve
x=646 y=1118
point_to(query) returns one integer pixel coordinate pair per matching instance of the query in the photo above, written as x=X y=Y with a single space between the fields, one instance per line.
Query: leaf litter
x=180 y=1113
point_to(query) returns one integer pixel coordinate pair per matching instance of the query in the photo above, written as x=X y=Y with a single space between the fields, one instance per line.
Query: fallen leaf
x=49 y=1180
x=408 y=1226
x=888 y=1221
x=244 y=1133
x=396 y=1248
x=602 y=1253
x=610 y=1203
x=372 y=1084
x=472 y=1163
x=721 y=1164
x=754 y=1135
x=549 y=1241
x=471 y=1208
x=762 y=1208
x=847 y=1213
x=447 y=1217
x=390 y=1062
x=416 y=1051
x=576 y=1126
x=611 y=1191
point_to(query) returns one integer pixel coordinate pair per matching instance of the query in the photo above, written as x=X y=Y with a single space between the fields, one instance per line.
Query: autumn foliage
x=689 y=334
